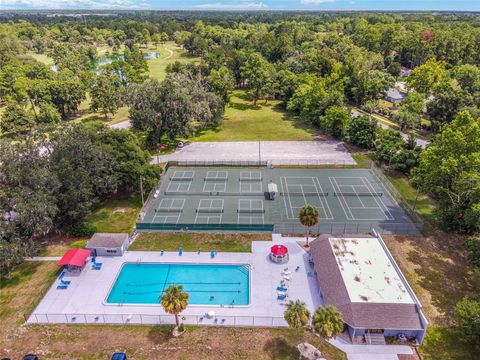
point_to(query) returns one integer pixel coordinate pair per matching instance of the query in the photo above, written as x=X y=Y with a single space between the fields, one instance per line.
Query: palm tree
x=297 y=314
x=308 y=217
x=328 y=321
x=174 y=300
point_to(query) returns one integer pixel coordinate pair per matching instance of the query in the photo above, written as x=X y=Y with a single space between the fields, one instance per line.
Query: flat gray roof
x=107 y=240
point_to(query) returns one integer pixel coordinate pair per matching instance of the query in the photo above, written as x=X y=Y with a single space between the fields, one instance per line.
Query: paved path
x=43 y=258
x=278 y=152
x=122 y=125
x=371 y=352
x=420 y=142
x=170 y=53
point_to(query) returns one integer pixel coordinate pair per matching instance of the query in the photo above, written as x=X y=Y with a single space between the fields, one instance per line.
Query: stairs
x=375 y=339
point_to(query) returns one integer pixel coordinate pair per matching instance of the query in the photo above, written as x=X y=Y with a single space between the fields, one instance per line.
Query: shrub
x=82 y=229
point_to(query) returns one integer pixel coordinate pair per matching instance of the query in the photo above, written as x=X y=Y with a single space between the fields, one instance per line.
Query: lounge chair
x=62 y=287
x=281 y=297
x=281 y=288
x=65 y=282
x=286 y=277
x=297 y=268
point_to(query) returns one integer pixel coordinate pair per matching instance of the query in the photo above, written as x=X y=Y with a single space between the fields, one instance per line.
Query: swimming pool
x=207 y=284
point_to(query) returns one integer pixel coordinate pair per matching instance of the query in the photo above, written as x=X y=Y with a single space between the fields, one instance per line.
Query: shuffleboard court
x=236 y=199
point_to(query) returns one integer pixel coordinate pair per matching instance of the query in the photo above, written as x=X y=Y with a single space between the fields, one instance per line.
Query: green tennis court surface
x=234 y=199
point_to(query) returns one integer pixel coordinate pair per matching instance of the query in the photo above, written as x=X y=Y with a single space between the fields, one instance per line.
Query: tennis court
x=235 y=199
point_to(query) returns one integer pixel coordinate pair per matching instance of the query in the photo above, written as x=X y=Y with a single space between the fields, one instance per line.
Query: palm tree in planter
x=308 y=217
x=174 y=300
x=296 y=315
x=328 y=321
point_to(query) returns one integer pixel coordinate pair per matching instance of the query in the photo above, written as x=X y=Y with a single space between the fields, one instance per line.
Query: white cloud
x=241 y=6
x=315 y=2
x=70 y=4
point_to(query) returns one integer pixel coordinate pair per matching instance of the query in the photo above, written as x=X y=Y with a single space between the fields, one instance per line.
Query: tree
x=447 y=102
x=84 y=171
x=174 y=300
x=361 y=131
x=106 y=94
x=259 y=74
x=296 y=314
x=449 y=168
x=308 y=217
x=67 y=92
x=328 y=321
x=411 y=111
x=221 y=82
x=425 y=77
x=48 y=114
x=16 y=119
x=129 y=160
x=176 y=107
x=139 y=66
x=467 y=312
x=335 y=121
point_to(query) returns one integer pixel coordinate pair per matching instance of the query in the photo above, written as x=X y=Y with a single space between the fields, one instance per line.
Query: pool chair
x=60 y=277
x=97 y=266
x=62 y=287
x=65 y=282
x=282 y=288
x=287 y=277
x=213 y=253
x=281 y=297
x=286 y=272
x=297 y=268
x=180 y=252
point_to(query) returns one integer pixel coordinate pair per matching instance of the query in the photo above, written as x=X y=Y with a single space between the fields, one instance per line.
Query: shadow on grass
x=160 y=334
x=20 y=274
x=279 y=348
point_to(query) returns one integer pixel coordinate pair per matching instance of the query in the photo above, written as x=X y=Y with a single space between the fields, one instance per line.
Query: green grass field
x=194 y=241
x=267 y=122
x=116 y=215
x=170 y=52
x=43 y=58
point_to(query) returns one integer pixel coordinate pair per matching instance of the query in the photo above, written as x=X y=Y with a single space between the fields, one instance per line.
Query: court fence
x=290 y=228
x=262 y=163
x=417 y=218
x=348 y=228
x=149 y=319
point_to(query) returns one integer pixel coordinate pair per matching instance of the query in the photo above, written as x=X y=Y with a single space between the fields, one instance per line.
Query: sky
x=242 y=5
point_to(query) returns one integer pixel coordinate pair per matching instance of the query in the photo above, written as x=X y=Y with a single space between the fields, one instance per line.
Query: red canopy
x=279 y=250
x=75 y=257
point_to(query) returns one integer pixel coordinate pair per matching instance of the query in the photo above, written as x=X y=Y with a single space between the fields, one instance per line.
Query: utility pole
x=141 y=189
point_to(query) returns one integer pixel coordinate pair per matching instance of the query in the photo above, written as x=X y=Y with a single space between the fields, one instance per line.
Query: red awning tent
x=74 y=257
x=279 y=253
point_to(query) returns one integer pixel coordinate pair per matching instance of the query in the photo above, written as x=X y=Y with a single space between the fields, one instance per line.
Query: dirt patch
x=437 y=269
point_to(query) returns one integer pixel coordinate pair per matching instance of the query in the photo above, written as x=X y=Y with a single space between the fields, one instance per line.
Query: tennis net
x=216 y=178
x=251 y=179
x=181 y=178
x=304 y=193
x=374 y=194
x=251 y=211
x=213 y=193
x=209 y=210
x=170 y=210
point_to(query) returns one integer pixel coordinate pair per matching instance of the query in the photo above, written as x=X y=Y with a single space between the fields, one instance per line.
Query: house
x=358 y=276
x=394 y=95
x=104 y=244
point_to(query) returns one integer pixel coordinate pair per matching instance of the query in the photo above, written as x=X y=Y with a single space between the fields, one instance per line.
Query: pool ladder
x=244 y=269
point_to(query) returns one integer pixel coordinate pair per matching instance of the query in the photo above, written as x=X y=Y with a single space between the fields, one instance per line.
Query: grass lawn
x=245 y=122
x=425 y=204
x=437 y=269
x=193 y=241
x=116 y=215
x=28 y=282
x=43 y=58
x=170 y=53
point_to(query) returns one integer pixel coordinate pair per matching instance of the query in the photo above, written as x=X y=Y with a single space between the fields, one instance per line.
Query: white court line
x=330 y=217
x=341 y=200
x=209 y=207
x=206 y=183
x=356 y=193
x=283 y=178
x=387 y=212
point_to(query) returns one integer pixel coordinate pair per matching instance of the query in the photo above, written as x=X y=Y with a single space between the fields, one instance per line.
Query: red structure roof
x=75 y=257
x=279 y=250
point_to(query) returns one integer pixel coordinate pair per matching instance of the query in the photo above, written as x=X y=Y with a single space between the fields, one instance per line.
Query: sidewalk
x=43 y=258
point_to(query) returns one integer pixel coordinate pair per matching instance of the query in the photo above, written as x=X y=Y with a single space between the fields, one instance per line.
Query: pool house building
x=358 y=275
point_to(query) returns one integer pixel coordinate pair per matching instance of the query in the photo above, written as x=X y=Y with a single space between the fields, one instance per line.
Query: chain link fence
x=148 y=319
x=349 y=228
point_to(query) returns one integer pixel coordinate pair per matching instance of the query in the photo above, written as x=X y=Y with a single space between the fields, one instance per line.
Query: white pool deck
x=84 y=300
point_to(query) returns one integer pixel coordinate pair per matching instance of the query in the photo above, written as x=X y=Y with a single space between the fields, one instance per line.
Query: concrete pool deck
x=84 y=300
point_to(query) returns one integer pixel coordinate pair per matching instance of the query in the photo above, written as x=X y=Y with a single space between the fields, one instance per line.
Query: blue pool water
x=206 y=284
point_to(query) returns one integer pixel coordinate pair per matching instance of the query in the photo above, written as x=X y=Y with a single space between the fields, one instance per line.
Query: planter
x=176 y=332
